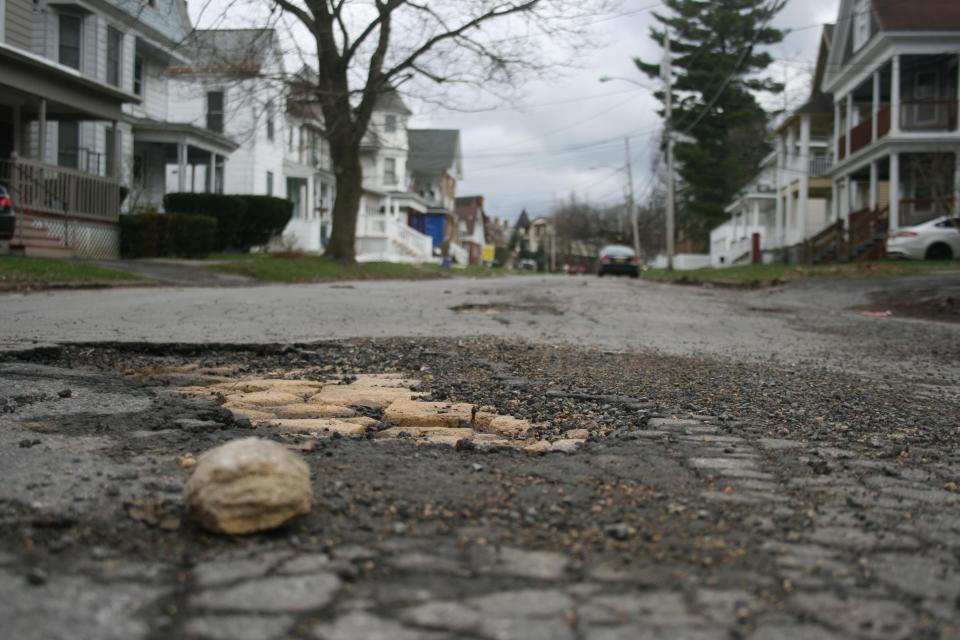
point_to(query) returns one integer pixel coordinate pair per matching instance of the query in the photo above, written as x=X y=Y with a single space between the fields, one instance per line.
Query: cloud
x=528 y=157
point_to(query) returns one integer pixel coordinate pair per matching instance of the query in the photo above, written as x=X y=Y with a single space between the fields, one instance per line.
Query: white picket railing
x=48 y=189
x=419 y=246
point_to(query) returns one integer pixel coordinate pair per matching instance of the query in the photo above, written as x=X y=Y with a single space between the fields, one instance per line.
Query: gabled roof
x=390 y=100
x=433 y=151
x=523 y=222
x=469 y=210
x=238 y=51
x=888 y=16
x=167 y=18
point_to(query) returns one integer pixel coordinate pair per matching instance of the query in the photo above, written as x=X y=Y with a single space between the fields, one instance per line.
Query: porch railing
x=928 y=115
x=42 y=188
x=818 y=167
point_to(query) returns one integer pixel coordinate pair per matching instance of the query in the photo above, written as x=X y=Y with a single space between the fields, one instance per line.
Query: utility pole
x=667 y=80
x=631 y=202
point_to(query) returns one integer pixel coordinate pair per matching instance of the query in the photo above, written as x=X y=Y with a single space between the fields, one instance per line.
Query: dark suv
x=7 y=221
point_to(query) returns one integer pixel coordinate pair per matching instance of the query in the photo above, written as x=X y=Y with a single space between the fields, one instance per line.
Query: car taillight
x=906 y=234
x=4 y=203
x=633 y=260
x=605 y=259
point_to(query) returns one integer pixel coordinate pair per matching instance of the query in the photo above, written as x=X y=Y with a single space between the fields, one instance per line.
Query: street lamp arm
x=633 y=82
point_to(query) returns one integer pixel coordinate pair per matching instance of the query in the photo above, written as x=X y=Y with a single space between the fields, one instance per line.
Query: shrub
x=267 y=217
x=228 y=211
x=189 y=235
x=243 y=221
x=154 y=235
x=140 y=235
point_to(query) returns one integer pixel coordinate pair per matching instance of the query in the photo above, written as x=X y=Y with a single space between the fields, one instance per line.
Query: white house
x=787 y=203
x=753 y=213
x=383 y=229
x=894 y=72
x=66 y=89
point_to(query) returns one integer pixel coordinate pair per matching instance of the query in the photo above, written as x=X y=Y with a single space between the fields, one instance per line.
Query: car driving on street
x=938 y=239
x=618 y=259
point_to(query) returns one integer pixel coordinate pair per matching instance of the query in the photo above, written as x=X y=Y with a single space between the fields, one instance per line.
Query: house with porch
x=894 y=73
x=787 y=203
x=65 y=84
x=472 y=221
x=383 y=229
x=751 y=230
x=436 y=166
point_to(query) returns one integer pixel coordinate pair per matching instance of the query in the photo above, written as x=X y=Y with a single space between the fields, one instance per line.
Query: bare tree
x=365 y=49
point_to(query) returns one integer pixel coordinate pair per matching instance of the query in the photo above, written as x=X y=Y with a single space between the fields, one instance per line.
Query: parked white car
x=938 y=239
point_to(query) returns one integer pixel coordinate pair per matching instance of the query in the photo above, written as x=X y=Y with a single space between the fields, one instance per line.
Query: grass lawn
x=19 y=272
x=305 y=268
x=770 y=274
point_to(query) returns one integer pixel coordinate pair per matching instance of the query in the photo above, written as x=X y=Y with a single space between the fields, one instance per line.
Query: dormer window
x=390 y=124
x=861 y=24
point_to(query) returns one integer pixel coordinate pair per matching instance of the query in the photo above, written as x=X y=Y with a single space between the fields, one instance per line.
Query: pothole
x=495 y=308
x=378 y=406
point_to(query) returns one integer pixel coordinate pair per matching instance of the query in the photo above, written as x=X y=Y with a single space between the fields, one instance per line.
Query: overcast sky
x=528 y=158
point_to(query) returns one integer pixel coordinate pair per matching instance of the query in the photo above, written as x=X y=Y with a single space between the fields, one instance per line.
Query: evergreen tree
x=720 y=127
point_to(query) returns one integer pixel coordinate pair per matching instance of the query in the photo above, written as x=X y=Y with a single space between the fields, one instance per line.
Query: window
x=926 y=111
x=269 y=183
x=114 y=47
x=389 y=171
x=138 y=76
x=70 y=27
x=861 y=23
x=290 y=141
x=215 y=111
x=390 y=126
x=68 y=144
x=270 y=130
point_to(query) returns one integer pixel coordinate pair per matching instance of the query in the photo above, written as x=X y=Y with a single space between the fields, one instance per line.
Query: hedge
x=266 y=217
x=243 y=221
x=228 y=211
x=154 y=235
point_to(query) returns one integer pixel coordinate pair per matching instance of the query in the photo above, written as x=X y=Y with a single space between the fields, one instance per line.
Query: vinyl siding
x=18 y=23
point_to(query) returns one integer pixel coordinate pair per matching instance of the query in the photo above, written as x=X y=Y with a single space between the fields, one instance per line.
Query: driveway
x=184 y=273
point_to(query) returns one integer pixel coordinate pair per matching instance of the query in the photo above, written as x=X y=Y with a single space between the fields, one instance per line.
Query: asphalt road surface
x=758 y=465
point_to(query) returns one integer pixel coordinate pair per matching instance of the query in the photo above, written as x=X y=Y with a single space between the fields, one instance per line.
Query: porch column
x=117 y=150
x=42 y=130
x=834 y=200
x=848 y=121
x=805 y=156
x=211 y=173
x=778 y=222
x=845 y=202
x=874 y=186
x=894 y=191
x=18 y=131
x=956 y=184
x=756 y=213
x=181 y=167
x=836 y=130
x=895 y=97
x=876 y=105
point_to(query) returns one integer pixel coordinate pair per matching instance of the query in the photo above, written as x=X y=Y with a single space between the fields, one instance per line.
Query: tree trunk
x=346 y=205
